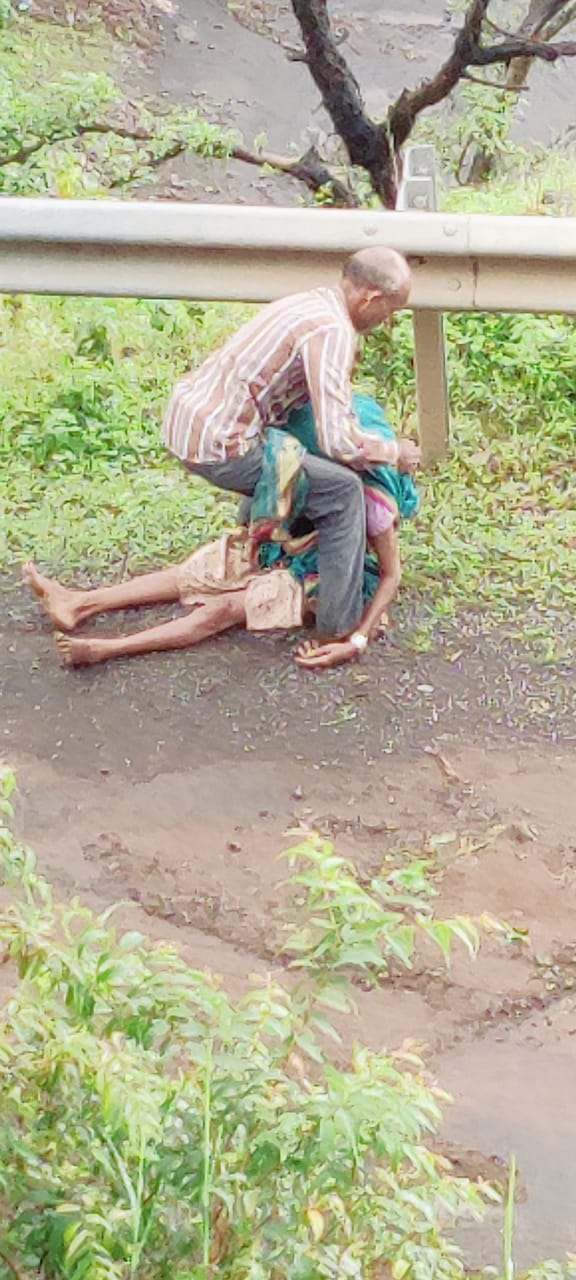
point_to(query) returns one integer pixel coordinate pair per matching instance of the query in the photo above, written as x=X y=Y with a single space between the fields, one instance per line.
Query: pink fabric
x=380 y=516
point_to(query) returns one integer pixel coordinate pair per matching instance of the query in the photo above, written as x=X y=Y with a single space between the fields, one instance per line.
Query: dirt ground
x=137 y=22
x=173 y=783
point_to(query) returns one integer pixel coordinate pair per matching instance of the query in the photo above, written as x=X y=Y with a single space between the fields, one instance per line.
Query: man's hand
x=376 y=452
x=409 y=456
x=313 y=655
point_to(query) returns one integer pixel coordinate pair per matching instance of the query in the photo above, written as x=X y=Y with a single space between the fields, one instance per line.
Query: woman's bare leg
x=218 y=615
x=67 y=608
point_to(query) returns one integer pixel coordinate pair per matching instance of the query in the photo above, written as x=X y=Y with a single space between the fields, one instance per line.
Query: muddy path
x=172 y=784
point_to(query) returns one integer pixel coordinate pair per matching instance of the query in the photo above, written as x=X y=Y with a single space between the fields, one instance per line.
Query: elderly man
x=300 y=348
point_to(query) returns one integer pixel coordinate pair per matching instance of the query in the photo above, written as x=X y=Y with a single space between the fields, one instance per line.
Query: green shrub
x=85 y=381
x=151 y=1126
x=511 y=373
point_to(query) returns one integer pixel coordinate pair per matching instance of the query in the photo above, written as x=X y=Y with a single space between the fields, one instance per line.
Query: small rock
x=523 y=833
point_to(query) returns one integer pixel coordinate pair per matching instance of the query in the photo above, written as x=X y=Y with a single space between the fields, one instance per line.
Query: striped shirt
x=300 y=348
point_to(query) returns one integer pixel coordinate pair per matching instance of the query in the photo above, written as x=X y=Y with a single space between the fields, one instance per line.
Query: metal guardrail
x=156 y=249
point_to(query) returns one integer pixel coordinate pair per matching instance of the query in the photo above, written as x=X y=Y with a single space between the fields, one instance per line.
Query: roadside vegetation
x=149 y=1125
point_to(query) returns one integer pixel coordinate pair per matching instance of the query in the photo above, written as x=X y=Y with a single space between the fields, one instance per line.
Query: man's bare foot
x=80 y=653
x=61 y=605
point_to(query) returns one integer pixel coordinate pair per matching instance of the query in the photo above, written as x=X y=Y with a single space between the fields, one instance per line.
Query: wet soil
x=172 y=783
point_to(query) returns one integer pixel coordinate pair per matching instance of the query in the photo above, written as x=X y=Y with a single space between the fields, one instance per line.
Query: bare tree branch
x=468 y=51
x=491 y=84
x=518 y=48
x=559 y=20
x=367 y=143
x=78 y=131
x=404 y=112
x=309 y=169
x=299 y=55
x=543 y=21
x=499 y=30
x=543 y=12
x=375 y=146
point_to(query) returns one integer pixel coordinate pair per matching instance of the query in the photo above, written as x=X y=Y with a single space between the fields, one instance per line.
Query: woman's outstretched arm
x=386 y=546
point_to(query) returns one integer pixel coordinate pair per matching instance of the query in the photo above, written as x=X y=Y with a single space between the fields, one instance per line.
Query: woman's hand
x=335 y=653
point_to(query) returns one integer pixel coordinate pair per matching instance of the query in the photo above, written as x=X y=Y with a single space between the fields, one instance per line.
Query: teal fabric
x=372 y=418
x=281 y=492
x=279 y=498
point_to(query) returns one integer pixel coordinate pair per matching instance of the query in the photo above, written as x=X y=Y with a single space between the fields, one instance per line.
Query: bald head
x=378 y=268
x=376 y=282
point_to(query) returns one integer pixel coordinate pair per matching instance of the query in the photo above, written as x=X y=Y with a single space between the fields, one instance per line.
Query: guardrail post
x=419 y=192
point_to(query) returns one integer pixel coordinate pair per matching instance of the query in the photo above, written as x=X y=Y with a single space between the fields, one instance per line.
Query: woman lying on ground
x=263 y=578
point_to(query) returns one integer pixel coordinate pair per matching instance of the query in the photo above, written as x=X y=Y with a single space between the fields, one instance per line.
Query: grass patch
x=88 y=488
x=34 y=53
x=86 y=481
x=497 y=531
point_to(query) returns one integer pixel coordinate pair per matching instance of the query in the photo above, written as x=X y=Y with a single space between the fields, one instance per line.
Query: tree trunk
x=367 y=143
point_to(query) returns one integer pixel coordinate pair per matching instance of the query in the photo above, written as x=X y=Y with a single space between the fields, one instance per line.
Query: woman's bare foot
x=61 y=605
x=80 y=653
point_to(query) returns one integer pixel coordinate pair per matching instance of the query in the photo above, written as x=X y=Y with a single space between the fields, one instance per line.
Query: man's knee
x=349 y=481
x=348 y=491
x=335 y=491
x=326 y=476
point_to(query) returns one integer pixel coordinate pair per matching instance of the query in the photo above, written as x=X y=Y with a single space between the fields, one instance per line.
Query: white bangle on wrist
x=359 y=640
